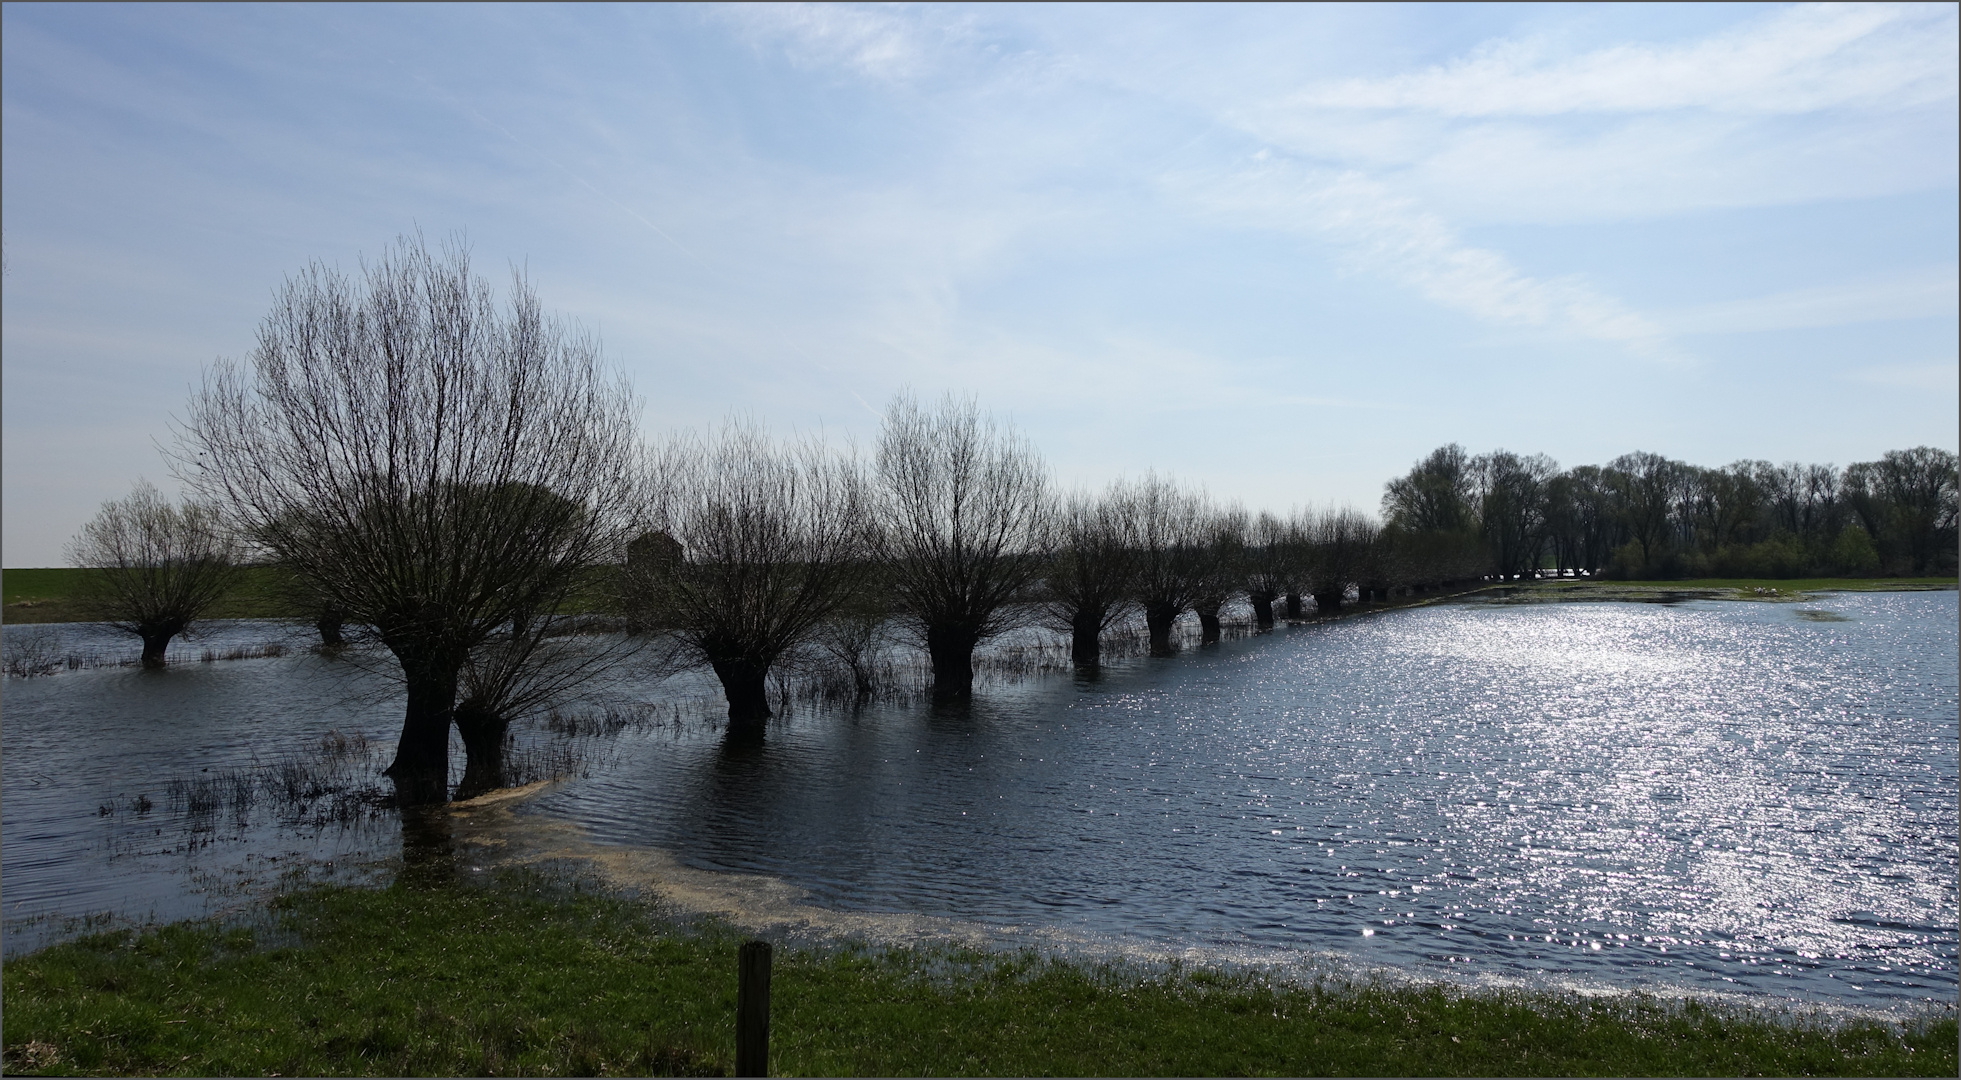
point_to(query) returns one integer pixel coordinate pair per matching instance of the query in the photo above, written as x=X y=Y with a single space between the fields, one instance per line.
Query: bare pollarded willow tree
x=1223 y=568
x=533 y=662
x=965 y=526
x=755 y=547
x=1266 y=565
x=434 y=466
x=1167 y=529
x=1342 y=541
x=157 y=567
x=1088 y=586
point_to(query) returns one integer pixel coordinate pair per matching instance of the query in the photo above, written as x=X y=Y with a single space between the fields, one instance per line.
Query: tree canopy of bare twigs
x=525 y=666
x=1088 y=586
x=1224 y=562
x=757 y=545
x=1166 y=528
x=856 y=635
x=157 y=567
x=430 y=464
x=964 y=526
x=1342 y=541
x=1267 y=565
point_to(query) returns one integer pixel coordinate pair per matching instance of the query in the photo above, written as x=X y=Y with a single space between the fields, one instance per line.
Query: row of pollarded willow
x=954 y=533
x=444 y=473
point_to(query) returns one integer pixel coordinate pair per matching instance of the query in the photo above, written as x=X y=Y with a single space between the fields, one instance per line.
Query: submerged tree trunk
x=486 y=735
x=1158 y=619
x=153 y=649
x=421 y=766
x=1208 y=619
x=1293 y=604
x=1086 y=637
x=952 y=652
x=156 y=639
x=329 y=624
x=1328 y=600
x=1262 y=609
x=743 y=681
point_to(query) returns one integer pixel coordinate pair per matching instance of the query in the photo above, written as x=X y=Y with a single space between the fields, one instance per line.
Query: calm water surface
x=1737 y=797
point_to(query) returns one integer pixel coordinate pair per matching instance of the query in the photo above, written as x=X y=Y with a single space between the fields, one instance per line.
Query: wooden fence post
x=752 y=1009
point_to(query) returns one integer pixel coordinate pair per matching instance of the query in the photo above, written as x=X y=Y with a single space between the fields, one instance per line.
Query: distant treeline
x=1643 y=515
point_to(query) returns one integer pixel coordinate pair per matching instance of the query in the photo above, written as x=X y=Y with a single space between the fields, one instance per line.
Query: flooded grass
x=337 y=780
x=244 y=652
x=39 y=651
x=525 y=975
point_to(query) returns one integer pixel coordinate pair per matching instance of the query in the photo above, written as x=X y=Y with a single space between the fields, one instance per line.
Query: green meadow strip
x=528 y=977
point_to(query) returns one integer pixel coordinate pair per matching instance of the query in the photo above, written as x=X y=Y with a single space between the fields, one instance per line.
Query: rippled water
x=1707 y=796
x=88 y=756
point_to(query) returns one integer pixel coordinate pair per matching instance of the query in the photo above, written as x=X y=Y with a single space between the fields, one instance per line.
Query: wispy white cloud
x=1800 y=59
x=1380 y=233
x=1799 y=105
x=1929 y=292
x=880 y=42
x=1936 y=377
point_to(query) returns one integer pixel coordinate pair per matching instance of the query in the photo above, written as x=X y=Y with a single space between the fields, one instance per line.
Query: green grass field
x=526 y=977
x=50 y=594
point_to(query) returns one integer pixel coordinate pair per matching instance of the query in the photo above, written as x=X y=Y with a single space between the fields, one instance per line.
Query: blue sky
x=1279 y=251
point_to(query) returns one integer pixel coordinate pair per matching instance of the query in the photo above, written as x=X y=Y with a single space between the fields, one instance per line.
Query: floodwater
x=1709 y=797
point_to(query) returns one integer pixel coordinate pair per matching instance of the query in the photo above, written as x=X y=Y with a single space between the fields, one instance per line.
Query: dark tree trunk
x=1328 y=600
x=1263 y=610
x=1208 y=621
x=329 y=625
x=485 y=737
x=154 y=645
x=743 y=682
x=1293 y=604
x=421 y=766
x=1158 y=619
x=1086 y=638
x=952 y=652
x=156 y=639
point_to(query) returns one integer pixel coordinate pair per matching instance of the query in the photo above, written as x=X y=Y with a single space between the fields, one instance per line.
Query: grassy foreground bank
x=524 y=978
